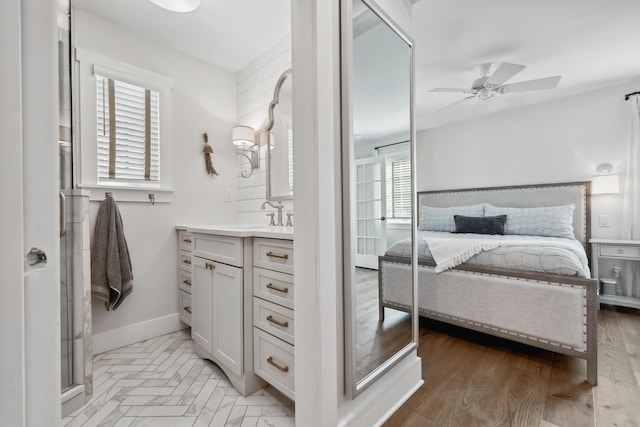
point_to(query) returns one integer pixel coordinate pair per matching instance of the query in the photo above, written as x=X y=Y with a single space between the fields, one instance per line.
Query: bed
x=545 y=298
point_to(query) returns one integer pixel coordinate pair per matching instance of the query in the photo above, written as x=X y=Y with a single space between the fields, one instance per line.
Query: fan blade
x=504 y=72
x=449 y=90
x=446 y=107
x=539 y=84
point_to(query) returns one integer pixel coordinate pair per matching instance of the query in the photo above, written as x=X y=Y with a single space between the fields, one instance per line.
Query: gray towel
x=111 y=272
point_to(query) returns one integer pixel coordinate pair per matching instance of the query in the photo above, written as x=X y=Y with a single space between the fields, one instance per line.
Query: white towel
x=452 y=251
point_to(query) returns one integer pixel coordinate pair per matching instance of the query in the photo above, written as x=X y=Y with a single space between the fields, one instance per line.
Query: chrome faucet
x=279 y=206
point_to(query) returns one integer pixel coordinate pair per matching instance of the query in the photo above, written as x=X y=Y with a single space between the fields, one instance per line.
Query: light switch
x=604 y=220
x=228 y=195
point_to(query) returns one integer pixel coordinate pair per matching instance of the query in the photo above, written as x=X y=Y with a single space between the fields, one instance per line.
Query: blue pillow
x=549 y=221
x=441 y=219
x=480 y=225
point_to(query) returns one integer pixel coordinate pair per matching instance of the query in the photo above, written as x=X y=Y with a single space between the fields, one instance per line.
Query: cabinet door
x=202 y=303
x=228 y=316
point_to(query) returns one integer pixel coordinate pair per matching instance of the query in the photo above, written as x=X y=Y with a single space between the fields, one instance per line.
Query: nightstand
x=622 y=250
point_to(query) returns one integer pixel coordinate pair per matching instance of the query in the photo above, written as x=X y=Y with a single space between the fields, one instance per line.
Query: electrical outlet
x=604 y=220
x=228 y=195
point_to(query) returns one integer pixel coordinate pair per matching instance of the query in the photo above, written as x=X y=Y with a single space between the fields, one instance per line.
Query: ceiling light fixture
x=182 y=6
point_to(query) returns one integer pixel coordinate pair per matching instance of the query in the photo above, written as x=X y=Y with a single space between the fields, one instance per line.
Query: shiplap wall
x=254 y=90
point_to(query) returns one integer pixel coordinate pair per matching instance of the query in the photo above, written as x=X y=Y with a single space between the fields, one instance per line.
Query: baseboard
x=131 y=334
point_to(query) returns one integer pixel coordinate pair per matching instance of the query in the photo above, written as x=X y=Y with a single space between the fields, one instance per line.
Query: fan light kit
x=491 y=82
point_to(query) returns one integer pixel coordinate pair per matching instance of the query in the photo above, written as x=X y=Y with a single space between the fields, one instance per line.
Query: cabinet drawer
x=185 y=280
x=273 y=254
x=274 y=319
x=185 y=307
x=224 y=249
x=184 y=261
x=620 y=251
x=185 y=239
x=273 y=286
x=273 y=360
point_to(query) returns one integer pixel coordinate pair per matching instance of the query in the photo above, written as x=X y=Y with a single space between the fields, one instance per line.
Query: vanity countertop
x=241 y=230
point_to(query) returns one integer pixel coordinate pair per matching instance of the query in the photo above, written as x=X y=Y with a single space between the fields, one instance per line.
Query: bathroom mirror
x=278 y=142
x=378 y=188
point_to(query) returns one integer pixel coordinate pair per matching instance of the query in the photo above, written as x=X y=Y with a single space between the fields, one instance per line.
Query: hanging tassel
x=208 y=151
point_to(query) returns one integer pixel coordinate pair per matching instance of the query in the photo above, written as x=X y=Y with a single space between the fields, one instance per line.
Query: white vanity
x=236 y=293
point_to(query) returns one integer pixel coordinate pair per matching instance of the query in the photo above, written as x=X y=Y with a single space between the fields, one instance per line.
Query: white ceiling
x=226 y=33
x=590 y=43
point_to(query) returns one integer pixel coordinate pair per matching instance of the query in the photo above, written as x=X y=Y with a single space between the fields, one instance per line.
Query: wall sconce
x=605 y=182
x=244 y=138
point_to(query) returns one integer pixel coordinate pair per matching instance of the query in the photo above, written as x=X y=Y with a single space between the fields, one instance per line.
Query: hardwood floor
x=472 y=379
x=376 y=342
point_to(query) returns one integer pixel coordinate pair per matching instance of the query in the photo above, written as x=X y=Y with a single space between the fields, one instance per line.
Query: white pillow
x=441 y=219
x=552 y=221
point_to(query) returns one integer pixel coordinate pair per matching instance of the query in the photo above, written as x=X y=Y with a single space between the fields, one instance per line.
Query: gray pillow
x=480 y=225
x=551 y=221
x=441 y=219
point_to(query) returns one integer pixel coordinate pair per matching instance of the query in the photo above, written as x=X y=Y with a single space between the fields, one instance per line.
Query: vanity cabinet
x=221 y=325
x=273 y=309
x=217 y=321
x=184 y=275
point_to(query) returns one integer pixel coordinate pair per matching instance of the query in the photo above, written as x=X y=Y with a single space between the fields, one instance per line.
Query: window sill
x=398 y=224
x=129 y=194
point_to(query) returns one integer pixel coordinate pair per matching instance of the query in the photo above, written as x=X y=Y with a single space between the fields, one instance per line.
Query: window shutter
x=399 y=189
x=134 y=116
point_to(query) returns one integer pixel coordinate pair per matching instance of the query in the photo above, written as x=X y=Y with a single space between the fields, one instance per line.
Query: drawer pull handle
x=187 y=282
x=187 y=309
x=284 y=291
x=186 y=261
x=187 y=240
x=209 y=266
x=282 y=368
x=620 y=251
x=272 y=255
x=277 y=322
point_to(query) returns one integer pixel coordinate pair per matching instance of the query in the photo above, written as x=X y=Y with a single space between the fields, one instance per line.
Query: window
x=128 y=133
x=124 y=123
x=398 y=180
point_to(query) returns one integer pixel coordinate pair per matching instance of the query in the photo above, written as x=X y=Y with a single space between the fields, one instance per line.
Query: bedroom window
x=128 y=132
x=398 y=173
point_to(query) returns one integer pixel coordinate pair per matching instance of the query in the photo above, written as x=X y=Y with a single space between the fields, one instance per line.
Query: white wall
x=557 y=141
x=203 y=101
x=255 y=85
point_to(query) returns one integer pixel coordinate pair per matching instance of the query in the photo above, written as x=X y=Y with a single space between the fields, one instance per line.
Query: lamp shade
x=177 y=5
x=243 y=136
x=605 y=184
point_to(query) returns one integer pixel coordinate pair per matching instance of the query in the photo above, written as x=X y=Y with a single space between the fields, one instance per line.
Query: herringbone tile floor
x=163 y=382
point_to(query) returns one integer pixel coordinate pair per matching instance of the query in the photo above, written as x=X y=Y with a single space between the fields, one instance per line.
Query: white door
x=202 y=302
x=228 y=321
x=30 y=361
x=371 y=209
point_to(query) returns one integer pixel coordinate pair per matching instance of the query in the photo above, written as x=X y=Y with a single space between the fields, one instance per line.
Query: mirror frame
x=265 y=134
x=352 y=386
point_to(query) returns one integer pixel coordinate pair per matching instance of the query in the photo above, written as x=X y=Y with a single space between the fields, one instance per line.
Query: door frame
x=29 y=300
x=12 y=387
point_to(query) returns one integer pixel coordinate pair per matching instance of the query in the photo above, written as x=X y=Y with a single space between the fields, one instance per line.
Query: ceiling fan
x=491 y=83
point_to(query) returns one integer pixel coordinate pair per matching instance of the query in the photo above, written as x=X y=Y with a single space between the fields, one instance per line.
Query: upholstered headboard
x=524 y=196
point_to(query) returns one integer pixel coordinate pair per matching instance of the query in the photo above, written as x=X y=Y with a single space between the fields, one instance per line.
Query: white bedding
x=551 y=255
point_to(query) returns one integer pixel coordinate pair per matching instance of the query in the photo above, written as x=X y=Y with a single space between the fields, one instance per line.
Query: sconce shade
x=605 y=184
x=177 y=5
x=243 y=136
